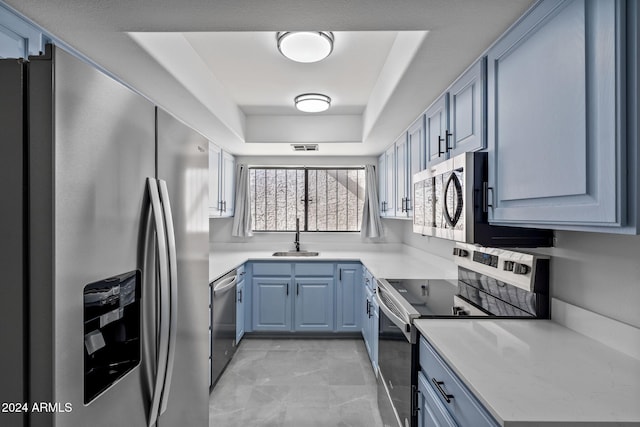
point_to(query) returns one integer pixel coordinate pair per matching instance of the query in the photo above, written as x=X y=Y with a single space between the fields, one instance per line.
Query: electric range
x=491 y=283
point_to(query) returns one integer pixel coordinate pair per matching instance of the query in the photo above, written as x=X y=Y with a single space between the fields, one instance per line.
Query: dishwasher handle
x=224 y=285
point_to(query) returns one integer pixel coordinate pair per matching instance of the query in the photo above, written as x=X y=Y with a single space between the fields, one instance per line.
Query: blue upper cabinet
x=556 y=119
x=215 y=158
x=387 y=182
x=381 y=183
x=400 y=172
x=221 y=182
x=437 y=124
x=416 y=159
x=467 y=103
x=19 y=38
x=455 y=122
x=400 y=162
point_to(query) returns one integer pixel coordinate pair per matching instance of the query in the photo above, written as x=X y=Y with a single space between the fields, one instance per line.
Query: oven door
x=395 y=367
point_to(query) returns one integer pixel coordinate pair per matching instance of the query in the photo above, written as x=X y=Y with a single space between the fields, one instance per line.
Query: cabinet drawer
x=272 y=269
x=313 y=269
x=462 y=405
x=432 y=411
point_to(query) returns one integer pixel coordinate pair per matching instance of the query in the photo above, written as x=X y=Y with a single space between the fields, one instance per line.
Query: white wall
x=598 y=272
x=440 y=247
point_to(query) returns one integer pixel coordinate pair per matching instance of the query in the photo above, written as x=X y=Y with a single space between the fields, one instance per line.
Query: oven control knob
x=508 y=265
x=520 y=268
x=460 y=252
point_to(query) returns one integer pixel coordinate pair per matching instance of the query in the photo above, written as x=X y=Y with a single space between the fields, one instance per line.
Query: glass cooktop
x=428 y=297
x=434 y=298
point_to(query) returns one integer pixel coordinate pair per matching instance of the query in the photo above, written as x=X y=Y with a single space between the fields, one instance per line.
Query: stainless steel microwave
x=450 y=202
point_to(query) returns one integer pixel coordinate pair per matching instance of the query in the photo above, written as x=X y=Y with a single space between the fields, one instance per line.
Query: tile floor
x=296 y=383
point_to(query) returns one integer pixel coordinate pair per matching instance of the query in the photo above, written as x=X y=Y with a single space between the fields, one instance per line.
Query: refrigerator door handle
x=173 y=291
x=163 y=270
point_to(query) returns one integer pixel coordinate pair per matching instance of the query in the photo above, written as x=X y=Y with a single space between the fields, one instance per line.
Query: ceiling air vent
x=305 y=147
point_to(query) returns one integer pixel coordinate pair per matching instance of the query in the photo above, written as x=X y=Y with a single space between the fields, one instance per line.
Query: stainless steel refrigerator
x=103 y=304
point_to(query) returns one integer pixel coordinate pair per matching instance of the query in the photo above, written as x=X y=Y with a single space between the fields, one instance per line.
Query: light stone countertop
x=538 y=372
x=389 y=261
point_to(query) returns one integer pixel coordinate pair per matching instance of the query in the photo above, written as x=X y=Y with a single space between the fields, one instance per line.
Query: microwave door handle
x=173 y=292
x=163 y=277
x=453 y=220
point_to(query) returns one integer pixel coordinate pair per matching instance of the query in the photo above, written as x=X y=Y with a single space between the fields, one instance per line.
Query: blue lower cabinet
x=449 y=390
x=348 y=303
x=375 y=323
x=314 y=304
x=240 y=308
x=431 y=412
x=272 y=303
x=370 y=324
x=304 y=297
x=366 y=325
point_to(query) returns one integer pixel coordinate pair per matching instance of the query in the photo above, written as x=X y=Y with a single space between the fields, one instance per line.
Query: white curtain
x=371 y=222
x=242 y=214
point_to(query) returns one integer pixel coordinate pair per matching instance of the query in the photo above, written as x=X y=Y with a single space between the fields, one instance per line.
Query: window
x=325 y=199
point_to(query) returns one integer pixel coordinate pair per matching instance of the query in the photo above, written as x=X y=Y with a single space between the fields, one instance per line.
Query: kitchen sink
x=295 y=253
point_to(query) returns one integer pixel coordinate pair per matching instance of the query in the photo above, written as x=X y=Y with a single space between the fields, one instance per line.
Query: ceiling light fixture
x=312 y=102
x=305 y=46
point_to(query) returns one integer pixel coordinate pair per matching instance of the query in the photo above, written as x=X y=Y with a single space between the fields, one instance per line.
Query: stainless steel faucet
x=297 y=238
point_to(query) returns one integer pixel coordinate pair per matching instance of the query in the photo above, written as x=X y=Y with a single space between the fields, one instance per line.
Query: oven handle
x=404 y=326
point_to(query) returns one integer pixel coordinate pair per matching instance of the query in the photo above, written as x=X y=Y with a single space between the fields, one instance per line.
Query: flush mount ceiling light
x=312 y=102
x=305 y=46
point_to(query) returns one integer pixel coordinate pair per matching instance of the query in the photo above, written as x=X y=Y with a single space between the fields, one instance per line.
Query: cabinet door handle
x=407 y=204
x=240 y=295
x=416 y=401
x=485 y=197
x=440 y=140
x=447 y=135
x=297 y=288
x=368 y=307
x=340 y=274
x=403 y=205
x=439 y=384
x=287 y=289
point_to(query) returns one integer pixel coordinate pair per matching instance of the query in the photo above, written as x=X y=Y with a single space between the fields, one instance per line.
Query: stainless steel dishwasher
x=223 y=323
